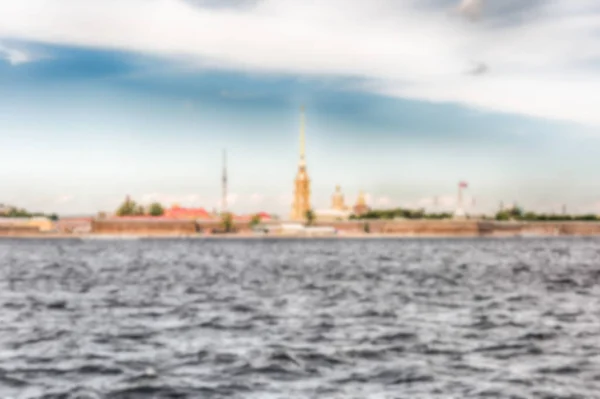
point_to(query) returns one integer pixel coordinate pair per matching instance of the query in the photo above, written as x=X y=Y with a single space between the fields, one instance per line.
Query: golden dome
x=361 y=199
x=337 y=200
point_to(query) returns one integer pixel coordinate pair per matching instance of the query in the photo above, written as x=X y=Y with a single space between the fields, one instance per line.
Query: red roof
x=177 y=212
x=140 y=217
x=187 y=213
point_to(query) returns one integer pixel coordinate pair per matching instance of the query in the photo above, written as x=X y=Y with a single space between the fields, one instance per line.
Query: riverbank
x=211 y=237
x=346 y=229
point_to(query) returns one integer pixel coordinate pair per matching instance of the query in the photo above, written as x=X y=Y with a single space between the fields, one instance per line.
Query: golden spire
x=302 y=155
x=302 y=183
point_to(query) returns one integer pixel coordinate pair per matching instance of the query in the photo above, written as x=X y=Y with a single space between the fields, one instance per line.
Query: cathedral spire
x=302 y=139
x=301 y=202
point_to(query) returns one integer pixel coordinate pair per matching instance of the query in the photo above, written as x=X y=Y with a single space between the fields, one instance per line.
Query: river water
x=381 y=318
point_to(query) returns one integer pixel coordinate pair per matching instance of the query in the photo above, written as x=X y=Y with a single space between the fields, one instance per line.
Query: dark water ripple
x=300 y=319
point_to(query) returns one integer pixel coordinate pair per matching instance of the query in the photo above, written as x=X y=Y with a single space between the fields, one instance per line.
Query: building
x=44 y=224
x=301 y=202
x=337 y=200
x=74 y=225
x=338 y=211
x=460 y=213
x=38 y=224
x=262 y=217
x=332 y=215
x=361 y=207
x=177 y=212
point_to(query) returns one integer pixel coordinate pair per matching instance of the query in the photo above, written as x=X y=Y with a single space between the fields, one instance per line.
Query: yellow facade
x=337 y=200
x=43 y=224
x=301 y=203
x=361 y=206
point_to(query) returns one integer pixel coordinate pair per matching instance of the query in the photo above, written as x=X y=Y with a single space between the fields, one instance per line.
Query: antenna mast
x=302 y=138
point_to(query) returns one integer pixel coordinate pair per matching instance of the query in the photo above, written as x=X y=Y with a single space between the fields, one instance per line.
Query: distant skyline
x=99 y=100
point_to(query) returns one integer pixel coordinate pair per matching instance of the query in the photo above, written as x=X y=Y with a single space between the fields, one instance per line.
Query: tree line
x=14 y=212
x=401 y=213
x=515 y=213
x=131 y=208
x=518 y=214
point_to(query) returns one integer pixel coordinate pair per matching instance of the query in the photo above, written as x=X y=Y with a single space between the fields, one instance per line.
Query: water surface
x=389 y=318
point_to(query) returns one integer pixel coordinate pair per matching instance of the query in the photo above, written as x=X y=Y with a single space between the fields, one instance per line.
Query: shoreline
x=108 y=237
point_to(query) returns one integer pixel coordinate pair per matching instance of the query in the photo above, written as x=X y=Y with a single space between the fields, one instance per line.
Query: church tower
x=302 y=183
x=337 y=200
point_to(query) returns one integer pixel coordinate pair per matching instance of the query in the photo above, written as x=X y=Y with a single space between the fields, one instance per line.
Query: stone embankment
x=417 y=228
x=18 y=231
x=354 y=228
x=144 y=227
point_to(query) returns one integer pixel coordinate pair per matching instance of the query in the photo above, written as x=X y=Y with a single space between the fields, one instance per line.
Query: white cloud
x=257 y=198
x=384 y=201
x=595 y=208
x=14 y=56
x=538 y=68
x=471 y=9
x=63 y=199
x=232 y=198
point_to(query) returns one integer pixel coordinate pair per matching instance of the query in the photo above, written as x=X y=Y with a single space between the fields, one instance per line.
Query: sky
x=404 y=99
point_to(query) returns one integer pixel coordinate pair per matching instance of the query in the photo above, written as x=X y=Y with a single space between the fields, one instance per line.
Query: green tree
x=503 y=216
x=530 y=216
x=516 y=212
x=310 y=217
x=255 y=221
x=53 y=217
x=139 y=210
x=156 y=209
x=127 y=208
x=227 y=222
x=18 y=213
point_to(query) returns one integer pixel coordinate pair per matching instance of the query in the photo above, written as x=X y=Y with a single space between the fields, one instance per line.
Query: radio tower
x=224 y=183
x=459 y=213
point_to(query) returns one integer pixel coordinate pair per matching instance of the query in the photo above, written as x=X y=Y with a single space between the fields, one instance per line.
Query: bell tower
x=301 y=202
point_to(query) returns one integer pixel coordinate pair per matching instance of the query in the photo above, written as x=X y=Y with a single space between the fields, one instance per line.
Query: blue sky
x=404 y=99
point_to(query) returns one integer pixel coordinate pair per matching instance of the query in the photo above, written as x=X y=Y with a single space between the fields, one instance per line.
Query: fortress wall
x=239 y=226
x=409 y=227
x=12 y=231
x=500 y=228
x=449 y=228
x=578 y=228
x=433 y=227
x=174 y=227
x=540 y=228
x=354 y=226
x=208 y=225
x=467 y=227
